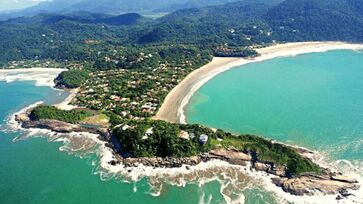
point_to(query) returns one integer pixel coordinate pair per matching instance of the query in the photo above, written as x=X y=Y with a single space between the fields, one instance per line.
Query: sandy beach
x=65 y=105
x=172 y=110
x=169 y=109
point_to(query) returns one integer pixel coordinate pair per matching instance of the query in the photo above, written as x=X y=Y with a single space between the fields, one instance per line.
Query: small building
x=125 y=127
x=203 y=138
x=148 y=133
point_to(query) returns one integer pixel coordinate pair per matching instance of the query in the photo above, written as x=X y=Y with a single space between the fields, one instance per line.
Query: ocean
x=312 y=100
x=38 y=168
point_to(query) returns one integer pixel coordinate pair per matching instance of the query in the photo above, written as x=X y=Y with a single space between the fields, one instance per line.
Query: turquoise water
x=34 y=170
x=312 y=100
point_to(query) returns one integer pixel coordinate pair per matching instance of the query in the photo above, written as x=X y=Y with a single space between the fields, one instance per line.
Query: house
x=203 y=138
x=148 y=133
x=125 y=127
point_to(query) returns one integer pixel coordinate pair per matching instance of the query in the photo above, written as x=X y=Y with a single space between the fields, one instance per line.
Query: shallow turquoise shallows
x=35 y=171
x=313 y=100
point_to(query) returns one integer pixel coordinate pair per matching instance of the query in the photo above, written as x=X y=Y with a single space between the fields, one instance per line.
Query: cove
x=313 y=100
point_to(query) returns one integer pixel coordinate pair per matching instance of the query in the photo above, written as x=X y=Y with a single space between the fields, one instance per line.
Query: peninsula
x=131 y=76
x=139 y=140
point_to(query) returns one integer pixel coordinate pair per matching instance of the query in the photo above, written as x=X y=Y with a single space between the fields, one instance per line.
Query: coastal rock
x=259 y=166
x=230 y=154
x=343 y=179
x=278 y=170
x=161 y=162
x=237 y=162
x=326 y=182
x=309 y=183
x=22 y=117
x=60 y=126
x=57 y=126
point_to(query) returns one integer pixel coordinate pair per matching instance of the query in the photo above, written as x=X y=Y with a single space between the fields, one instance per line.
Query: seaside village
x=135 y=95
x=202 y=138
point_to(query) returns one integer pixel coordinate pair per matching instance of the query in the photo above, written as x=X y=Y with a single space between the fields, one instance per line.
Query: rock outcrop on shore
x=59 y=126
x=307 y=184
x=326 y=182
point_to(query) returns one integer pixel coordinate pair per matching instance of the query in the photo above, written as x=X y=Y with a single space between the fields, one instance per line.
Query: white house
x=203 y=138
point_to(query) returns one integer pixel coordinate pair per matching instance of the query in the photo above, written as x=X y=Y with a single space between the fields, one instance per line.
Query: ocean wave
x=41 y=76
x=234 y=180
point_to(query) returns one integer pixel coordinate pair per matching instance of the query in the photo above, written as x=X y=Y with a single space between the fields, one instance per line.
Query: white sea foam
x=41 y=76
x=234 y=179
x=86 y=143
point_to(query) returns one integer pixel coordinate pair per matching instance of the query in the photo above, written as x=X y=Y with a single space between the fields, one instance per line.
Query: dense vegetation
x=126 y=65
x=235 y=26
x=225 y=52
x=148 y=75
x=72 y=78
x=151 y=138
x=50 y=112
x=164 y=140
x=271 y=152
x=149 y=7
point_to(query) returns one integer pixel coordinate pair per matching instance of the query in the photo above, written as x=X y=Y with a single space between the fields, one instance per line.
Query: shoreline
x=65 y=104
x=178 y=176
x=107 y=154
x=173 y=107
x=204 y=172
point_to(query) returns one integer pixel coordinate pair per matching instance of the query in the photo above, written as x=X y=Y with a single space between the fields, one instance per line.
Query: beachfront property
x=203 y=138
x=134 y=94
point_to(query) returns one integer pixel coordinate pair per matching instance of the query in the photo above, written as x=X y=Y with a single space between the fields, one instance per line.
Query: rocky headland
x=326 y=181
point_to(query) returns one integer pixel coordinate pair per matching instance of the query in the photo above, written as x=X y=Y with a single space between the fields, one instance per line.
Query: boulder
x=278 y=170
x=259 y=166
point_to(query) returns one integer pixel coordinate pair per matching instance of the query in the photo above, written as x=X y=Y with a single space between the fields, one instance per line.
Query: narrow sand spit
x=172 y=110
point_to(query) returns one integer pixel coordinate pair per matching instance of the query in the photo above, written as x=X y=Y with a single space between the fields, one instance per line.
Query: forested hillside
x=302 y=20
x=230 y=27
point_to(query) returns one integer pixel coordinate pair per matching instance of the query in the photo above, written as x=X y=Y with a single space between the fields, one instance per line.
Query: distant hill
x=114 y=7
x=297 y=20
x=89 y=18
x=256 y=21
x=231 y=26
